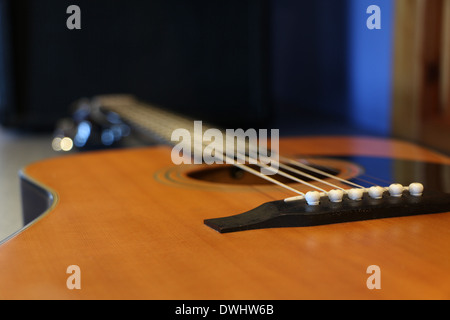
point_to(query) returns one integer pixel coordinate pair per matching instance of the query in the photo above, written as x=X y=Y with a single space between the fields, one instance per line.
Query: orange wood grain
x=137 y=238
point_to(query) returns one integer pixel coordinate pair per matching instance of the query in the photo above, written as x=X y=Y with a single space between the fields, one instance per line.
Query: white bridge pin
x=416 y=189
x=313 y=198
x=376 y=192
x=335 y=195
x=355 y=194
x=396 y=190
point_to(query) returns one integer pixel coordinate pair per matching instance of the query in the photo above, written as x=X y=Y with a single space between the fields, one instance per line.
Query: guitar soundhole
x=220 y=175
x=233 y=175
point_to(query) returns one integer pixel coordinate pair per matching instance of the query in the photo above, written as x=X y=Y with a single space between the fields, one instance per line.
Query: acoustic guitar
x=136 y=226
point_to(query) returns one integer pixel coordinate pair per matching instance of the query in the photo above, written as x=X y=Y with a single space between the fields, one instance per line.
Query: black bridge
x=278 y=214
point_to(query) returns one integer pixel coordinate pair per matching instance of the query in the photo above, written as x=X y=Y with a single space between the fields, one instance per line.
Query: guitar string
x=165 y=116
x=161 y=131
x=169 y=117
x=306 y=167
x=366 y=178
x=182 y=123
x=163 y=134
x=299 y=164
x=141 y=117
x=246 y=158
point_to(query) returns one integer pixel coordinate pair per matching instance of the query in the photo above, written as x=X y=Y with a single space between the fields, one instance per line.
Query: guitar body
x=134 y=224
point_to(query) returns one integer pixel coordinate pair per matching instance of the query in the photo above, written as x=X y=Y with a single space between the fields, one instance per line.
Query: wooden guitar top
x=137 y=232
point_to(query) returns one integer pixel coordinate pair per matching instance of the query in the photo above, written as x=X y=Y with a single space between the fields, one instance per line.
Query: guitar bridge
x=279 y=214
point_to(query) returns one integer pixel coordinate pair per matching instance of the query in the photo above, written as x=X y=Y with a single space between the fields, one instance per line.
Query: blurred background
x=305 y=67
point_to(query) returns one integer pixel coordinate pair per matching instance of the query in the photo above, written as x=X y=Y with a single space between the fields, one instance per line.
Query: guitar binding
x=281 y=214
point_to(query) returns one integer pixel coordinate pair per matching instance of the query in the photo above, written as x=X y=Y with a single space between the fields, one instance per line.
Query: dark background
x=236 y=63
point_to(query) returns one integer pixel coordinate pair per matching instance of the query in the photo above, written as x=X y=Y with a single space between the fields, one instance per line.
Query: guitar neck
x=145 y=117
x=161 y=124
